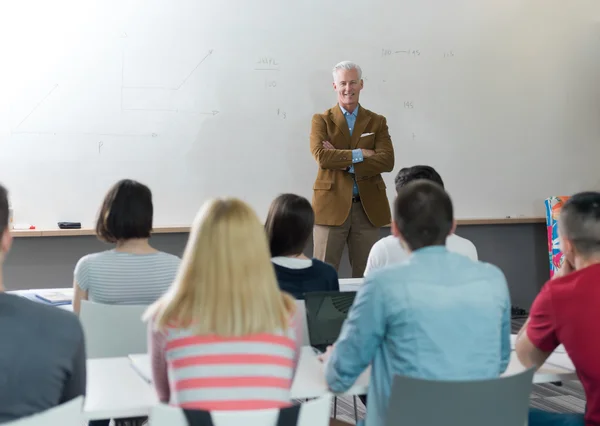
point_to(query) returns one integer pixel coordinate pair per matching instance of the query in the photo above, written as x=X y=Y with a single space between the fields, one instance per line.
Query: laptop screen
x=325 y=314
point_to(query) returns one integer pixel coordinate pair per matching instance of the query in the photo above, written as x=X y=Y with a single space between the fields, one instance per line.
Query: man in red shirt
x=567 y=309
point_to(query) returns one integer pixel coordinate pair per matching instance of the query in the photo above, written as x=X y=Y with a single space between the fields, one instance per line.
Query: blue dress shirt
x=357 y=155
x=438 y=315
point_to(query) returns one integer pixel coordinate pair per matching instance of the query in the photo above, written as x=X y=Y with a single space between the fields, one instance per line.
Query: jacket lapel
x=362 y=120
x=340 y=121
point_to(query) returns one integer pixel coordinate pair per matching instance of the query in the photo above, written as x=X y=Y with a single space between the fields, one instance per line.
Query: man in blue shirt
x=352 y=147
x=437 y=315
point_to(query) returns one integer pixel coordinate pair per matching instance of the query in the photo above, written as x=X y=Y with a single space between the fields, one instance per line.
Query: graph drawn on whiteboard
x=21 y=127
x=34 y=109
x=156 y=98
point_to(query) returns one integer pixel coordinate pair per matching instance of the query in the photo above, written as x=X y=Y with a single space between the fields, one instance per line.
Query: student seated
x=289 y=225
x=133 y=273
x=566 y=311
x=224 y=337
x=42 y=354
x=438 y=315
x=388 y=251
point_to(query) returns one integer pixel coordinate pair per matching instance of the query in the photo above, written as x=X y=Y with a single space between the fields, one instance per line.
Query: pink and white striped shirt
x=218 y=373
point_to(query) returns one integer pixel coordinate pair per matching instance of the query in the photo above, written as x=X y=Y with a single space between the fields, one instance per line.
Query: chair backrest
x=67 y=414
x=301 y=309
x=502 y=401
x=326 y=312
x=113 y=330
x=313 y=413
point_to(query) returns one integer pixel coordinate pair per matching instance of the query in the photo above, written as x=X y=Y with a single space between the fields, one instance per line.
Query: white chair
x=313 y=413
x=113 y=330
x=301 y=309
x=67 y=414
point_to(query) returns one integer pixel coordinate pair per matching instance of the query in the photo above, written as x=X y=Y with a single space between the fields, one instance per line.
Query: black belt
x=356 y=198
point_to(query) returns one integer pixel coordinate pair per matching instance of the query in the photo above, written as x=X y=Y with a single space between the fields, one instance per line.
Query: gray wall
x=519 y=250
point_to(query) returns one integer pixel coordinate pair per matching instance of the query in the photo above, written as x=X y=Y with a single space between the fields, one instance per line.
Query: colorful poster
x=553 y=206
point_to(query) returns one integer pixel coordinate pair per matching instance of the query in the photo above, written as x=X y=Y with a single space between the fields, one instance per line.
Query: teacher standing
x=353 y=147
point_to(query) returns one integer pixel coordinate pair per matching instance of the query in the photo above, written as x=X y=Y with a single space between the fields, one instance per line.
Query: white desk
x=116 y=390
x=32 y=292
x=350 y=284
x=310 y=380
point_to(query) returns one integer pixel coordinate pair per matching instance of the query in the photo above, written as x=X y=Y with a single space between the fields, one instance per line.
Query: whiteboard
x=200 y=99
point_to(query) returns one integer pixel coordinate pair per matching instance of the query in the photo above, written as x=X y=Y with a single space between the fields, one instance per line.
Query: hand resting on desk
x=325 y=356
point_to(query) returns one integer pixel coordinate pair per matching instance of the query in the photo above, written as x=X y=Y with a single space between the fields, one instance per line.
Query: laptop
x=326 y=311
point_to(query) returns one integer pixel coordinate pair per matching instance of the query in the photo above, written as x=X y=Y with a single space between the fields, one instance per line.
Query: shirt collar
x=354 y=113
x=431 y=249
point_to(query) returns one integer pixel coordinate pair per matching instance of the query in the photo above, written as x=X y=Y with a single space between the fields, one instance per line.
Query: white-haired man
x=352 y=147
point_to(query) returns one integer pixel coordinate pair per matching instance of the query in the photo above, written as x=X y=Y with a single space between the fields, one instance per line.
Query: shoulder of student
x=54 y=319
x=93 y=257
x=326 y=268
x=461 y=245
x=168 y=257
x=491 y=271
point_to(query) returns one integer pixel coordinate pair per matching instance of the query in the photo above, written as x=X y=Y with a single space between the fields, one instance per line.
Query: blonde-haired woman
x=224 y=334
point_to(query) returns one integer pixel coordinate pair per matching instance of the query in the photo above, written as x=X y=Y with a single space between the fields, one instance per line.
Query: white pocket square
x=366 y=134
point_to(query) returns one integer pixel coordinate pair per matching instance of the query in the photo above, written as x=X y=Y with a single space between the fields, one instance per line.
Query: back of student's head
x=226 y=283
x=579 y=224
x=423 y=214
x=407 y=175
x=289 y=225
x=3 y=210
x=126 y=212
x=5 y=236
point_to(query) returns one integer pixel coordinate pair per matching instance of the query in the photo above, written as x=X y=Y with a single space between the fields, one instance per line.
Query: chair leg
x=335 y=407
x=355 y=409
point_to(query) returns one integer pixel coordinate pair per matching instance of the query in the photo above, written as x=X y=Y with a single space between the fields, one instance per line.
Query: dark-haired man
x=566 y=311
x=42 y=354
x=440 y=315
x=388 y=250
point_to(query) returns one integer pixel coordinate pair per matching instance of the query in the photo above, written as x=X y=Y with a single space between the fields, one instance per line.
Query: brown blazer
x=332 y=191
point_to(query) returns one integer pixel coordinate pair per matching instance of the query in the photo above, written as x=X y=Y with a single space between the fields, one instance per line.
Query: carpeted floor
x=568 y=398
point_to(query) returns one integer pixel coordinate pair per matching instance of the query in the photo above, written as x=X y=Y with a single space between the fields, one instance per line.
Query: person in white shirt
x=388 y=250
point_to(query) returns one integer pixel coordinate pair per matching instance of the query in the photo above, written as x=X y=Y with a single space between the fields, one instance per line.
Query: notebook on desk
x=56 y=297
x=141 y=364
x=325 y=314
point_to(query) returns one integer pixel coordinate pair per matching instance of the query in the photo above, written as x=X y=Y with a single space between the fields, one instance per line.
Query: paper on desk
x=56 y=296
x=141 y=364
x=513 y=340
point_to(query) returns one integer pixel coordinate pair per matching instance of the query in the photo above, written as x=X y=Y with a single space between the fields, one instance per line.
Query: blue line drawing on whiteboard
x=37 y=105
x=170 y=89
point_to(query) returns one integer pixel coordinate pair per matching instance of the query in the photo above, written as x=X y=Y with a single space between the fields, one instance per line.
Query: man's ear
x=566 y=247
x=453 y=230
x=395 y=231
x=5 y=242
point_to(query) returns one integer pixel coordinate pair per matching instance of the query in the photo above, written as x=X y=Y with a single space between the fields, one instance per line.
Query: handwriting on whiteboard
x=266 y=63
x=281 y=114
x=412 y=53
x=409 y=104
x=408 y=52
